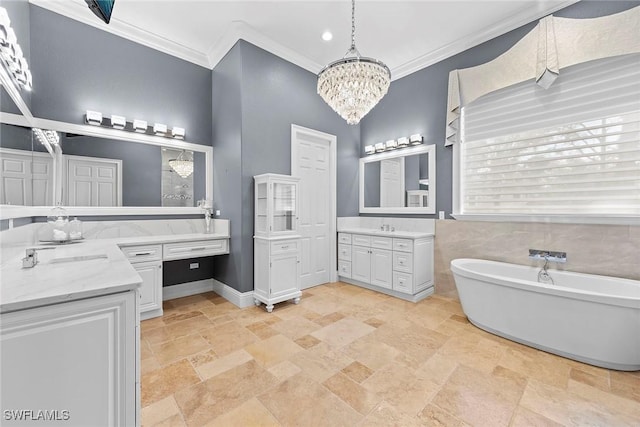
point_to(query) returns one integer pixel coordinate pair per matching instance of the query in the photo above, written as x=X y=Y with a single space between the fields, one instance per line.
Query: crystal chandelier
x=353 y=85
x=183 y=165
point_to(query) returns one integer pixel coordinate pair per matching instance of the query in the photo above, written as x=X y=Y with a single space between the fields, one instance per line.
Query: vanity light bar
x=392 y=144
x=177 y=132
x=118 y=122
x=160 y=129
x=11 y=53
x=415 y=139
x=95 y=118
x=140 y=126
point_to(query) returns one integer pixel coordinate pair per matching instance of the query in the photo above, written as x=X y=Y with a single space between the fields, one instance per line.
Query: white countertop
x=51 y=283
x=398 y=233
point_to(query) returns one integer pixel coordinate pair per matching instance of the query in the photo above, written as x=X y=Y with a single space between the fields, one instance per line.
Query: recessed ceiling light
x=326 y=36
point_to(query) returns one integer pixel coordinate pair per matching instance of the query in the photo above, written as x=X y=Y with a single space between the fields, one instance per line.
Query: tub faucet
x=543 y=274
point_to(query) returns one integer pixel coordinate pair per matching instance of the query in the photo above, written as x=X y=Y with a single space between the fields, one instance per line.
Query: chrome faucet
x=31 y=256
x=547 y=256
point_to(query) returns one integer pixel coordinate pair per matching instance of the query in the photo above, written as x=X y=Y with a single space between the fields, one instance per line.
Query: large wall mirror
x=399 y=182
x=98 y=171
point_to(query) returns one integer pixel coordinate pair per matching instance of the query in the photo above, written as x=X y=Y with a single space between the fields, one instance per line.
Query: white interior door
x=93 y=181
x=25 y=178
x=313 y=161
x=392 y=182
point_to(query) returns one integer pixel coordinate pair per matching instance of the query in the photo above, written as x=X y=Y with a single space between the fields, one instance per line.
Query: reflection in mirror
x=95 y=172
x=399 y=181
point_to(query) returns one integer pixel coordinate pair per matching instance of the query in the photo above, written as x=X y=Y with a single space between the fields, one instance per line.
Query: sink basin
x=78 y=258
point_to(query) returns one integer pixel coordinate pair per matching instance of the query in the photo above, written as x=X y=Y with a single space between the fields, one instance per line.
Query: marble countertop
x=398 y=233
x=51 y=282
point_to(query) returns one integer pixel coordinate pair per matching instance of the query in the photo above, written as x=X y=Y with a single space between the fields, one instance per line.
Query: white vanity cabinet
x=77 y=358
x=402 y=267
x=147 y=261
x=371 y=260
x=276 y=258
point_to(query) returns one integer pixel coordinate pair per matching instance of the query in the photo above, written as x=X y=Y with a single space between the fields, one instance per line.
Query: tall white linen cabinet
x=276 y=246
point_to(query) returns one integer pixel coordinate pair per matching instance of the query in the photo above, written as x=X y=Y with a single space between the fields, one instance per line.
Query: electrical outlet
x=441 y=215
x=218 y=212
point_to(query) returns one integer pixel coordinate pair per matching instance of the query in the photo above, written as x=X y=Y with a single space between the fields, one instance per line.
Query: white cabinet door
x=361 y=263
x=151 y=289
x=78 y=356
x=381 y=272
x=284 y=274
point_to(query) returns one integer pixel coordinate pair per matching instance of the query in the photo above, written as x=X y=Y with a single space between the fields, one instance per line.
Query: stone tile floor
x=346 y=356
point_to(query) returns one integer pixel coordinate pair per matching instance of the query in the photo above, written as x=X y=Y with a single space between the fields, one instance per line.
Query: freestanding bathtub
x=589 y=318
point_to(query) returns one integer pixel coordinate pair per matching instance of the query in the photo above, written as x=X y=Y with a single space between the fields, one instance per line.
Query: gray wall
x=273 y=95
x=417 y=103
x=227 y=161
x=16 y=137
x=77 y=67
x=18 y=11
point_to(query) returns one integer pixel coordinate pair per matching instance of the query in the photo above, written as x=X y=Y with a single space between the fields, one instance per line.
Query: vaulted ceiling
x=406 y=35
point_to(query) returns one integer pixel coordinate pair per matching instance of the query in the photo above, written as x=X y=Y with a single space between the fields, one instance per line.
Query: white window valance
x=555 y=43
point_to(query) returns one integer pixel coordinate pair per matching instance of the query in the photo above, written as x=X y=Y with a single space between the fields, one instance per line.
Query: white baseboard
x=240 y=299
x=187 y=289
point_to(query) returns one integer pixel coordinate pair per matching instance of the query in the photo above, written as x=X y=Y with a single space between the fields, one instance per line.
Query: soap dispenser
x=58 y=221
x=75 y=229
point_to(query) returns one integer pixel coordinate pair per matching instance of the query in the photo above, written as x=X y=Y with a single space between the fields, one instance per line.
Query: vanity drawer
x=404 y=245
x=344 y=238
x=403 y=282
x=143 y=253
x=361 y=240
x=344 y=252
x=284 y=246
x=198 y=248
x=403 y=261
x=381 y=242
x=344 y=268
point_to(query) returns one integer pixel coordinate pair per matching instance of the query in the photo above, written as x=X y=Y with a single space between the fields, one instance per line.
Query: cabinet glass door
x=284 y=207
x=261 y=208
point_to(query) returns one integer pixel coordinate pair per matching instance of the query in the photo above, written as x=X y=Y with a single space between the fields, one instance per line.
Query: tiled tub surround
x=607 y=250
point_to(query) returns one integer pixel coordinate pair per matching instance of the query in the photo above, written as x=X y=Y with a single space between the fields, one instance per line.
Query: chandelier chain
x=353 y=24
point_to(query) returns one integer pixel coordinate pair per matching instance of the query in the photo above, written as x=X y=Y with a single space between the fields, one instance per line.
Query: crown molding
x=460 y=45
x=79 y=12
x=241 y=30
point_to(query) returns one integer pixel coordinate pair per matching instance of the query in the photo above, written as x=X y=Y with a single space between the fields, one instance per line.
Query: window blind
x=571 y=149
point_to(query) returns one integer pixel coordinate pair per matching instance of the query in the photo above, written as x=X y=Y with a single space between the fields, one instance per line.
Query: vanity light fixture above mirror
x=96 y=118
x=11 y=53
x=392 y=144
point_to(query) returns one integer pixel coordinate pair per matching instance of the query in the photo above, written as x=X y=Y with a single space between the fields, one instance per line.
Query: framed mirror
x=99 y=171
x=401 y=181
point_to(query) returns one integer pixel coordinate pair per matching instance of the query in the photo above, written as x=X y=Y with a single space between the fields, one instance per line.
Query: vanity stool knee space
x=276 y=246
